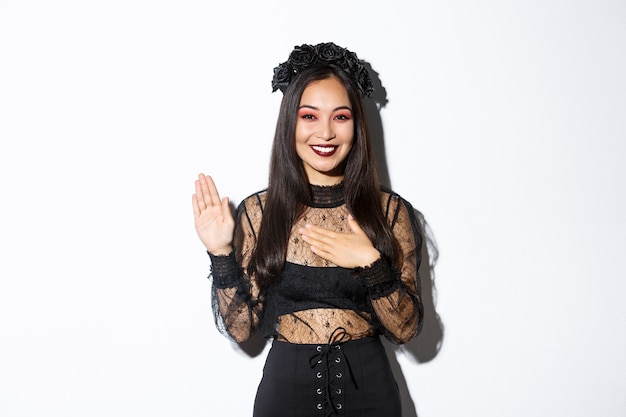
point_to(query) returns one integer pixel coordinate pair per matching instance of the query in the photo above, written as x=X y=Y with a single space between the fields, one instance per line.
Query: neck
x=325 y=180
x=327 y=195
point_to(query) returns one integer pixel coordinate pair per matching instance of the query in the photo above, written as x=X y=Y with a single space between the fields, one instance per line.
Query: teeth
x=324 y=149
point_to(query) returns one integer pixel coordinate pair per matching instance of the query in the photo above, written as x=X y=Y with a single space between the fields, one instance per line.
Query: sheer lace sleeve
x=395 y=294
x=236 y=299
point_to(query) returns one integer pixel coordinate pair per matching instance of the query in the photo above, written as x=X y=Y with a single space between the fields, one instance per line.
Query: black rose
x=365 y=82
x=302 y=56
x=305 y=56
x=282 y=77
x=330 y=52
x=351 y=64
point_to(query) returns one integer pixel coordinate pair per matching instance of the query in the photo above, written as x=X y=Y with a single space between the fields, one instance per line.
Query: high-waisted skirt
x=350 y=379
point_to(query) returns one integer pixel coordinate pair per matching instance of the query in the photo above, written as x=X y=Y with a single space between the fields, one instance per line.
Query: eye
x=343 y=116
x=306 y=115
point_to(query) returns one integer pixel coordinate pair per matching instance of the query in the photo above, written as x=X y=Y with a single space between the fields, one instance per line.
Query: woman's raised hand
x=213 y=218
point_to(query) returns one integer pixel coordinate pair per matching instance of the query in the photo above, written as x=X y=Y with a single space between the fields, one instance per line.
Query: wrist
x=220 y=251
x=379 y=277
x=370 y=258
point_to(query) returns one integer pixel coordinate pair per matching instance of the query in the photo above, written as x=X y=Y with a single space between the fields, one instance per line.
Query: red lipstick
x=324 y=150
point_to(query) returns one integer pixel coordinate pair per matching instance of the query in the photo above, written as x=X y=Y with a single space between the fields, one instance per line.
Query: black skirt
x=350 y=379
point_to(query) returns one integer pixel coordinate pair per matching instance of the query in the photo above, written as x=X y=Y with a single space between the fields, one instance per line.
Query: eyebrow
x=306 y=106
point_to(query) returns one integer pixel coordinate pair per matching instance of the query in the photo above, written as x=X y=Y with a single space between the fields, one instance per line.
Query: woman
x=324 y=260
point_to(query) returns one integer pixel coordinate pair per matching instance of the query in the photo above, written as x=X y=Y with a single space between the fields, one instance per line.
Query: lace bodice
x=315 y=297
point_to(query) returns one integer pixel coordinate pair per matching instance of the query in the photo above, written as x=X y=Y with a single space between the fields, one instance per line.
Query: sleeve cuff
x=224 y=270
x=379 y=278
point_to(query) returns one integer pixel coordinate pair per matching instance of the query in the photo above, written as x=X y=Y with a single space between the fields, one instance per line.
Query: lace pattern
x=364 y=301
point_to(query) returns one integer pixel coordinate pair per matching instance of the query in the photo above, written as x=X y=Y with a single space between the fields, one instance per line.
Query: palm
x=213 y=219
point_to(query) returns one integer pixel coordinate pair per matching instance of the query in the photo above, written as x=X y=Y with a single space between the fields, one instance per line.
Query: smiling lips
x=324 y=150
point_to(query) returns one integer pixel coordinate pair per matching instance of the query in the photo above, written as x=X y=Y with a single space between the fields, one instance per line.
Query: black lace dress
x=325 y=321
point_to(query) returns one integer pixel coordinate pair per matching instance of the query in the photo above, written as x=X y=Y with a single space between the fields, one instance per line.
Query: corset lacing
x=332 y=365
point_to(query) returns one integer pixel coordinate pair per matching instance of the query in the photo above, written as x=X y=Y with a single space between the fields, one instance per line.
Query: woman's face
x=324 y=130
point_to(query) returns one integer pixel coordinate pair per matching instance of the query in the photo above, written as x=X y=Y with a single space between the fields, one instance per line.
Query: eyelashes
x=312 y=116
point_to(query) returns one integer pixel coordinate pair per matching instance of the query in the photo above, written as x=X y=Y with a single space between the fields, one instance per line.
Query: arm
x=394 y=293
x=237 y=301
x=235 y=297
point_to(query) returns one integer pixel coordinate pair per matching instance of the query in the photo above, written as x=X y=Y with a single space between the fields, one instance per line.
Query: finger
x=215 y=196
x=319 y=233
x=205 y=188
x=322 y=253
x=194 y=206
x=199 y=196
x=225 y=207
x=319 y=242
x=354 y=225
x=322 y=246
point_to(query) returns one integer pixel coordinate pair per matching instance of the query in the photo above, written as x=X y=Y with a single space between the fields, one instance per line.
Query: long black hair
x=289 y=193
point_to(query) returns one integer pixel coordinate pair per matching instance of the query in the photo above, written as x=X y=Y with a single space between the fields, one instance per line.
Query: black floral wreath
x=304 y=56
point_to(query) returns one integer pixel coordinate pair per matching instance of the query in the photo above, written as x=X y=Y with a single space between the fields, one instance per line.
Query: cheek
x=302 y=133
x=301 y=148
x=348 y=135
x=346 y=130
x=301 y=139
x=347 y=149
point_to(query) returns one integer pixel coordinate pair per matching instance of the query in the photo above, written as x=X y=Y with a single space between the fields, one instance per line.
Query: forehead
x=327 y=91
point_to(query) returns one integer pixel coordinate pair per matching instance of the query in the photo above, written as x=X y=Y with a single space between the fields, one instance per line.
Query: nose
x=326 y=131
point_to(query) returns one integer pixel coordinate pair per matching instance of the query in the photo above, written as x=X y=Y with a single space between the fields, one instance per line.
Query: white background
x=505 y=127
